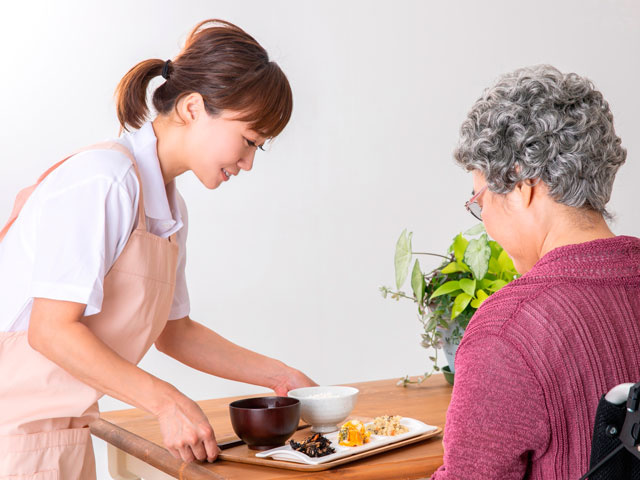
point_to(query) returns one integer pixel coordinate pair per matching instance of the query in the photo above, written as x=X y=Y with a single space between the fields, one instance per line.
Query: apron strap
x=25 y=193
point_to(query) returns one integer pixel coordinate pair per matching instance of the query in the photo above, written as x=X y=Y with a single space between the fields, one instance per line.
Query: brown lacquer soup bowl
x=265 y=422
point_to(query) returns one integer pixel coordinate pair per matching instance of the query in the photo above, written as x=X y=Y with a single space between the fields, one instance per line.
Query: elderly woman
x=539 y=354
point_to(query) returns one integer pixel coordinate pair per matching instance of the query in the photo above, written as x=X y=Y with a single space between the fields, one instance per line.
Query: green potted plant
x=448 y=296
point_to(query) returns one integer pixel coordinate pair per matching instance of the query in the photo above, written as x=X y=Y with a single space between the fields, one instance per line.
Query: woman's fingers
x=186 y=454
x=189 y=453
x=174 y=452
x=212 y=449
x=181 y=453
x=199 y=451
x=209 y=444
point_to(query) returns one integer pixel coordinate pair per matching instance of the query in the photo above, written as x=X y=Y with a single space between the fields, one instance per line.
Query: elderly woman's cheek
x=503 y=230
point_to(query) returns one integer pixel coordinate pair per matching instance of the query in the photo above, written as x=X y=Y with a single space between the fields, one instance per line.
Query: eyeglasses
x=472 y=205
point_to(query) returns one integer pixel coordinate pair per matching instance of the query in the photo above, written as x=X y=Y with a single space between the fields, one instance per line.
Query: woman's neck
x=575 y=226
x=166 y=135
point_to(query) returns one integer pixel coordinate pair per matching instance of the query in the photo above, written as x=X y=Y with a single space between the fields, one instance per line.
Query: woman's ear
x=525 y=192
x=191 y=107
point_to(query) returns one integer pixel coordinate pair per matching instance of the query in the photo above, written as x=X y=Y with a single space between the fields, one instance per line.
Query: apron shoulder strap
x=24 y=194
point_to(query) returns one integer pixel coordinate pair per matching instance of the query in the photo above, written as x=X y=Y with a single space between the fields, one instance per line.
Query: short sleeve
x=181 y=307
x=83 y=223
x=497 y=420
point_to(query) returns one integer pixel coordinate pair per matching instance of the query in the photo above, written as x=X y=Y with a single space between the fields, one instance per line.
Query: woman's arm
x=56 y=332
x=199 y=347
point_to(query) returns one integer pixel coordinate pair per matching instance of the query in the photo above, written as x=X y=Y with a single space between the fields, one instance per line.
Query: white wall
x=288 y=259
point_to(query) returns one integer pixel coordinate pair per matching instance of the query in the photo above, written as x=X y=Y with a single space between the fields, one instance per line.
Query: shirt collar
x=160 y=201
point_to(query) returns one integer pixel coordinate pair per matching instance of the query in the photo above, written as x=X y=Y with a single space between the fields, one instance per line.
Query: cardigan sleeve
x=497 y=421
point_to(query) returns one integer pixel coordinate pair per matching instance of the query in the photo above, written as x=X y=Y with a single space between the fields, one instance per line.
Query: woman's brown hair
x=225 y=65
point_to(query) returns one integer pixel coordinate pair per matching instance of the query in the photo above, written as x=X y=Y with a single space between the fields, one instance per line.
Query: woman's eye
x=253 y=144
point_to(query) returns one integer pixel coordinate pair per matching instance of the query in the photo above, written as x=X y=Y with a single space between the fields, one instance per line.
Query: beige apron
x=44 y=411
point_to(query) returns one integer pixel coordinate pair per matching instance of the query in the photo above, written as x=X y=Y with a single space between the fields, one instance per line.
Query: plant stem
x=402 y=295
x=432 y=254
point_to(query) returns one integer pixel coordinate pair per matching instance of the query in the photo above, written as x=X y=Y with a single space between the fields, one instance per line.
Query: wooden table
x=135 y=442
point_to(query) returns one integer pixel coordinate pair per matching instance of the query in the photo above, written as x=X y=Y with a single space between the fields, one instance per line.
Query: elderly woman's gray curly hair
x=538 y=123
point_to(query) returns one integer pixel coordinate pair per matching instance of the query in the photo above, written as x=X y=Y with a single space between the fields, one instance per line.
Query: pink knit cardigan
x=535 y=360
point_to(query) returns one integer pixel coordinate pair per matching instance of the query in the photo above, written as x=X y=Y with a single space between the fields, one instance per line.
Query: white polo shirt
x=76 y=223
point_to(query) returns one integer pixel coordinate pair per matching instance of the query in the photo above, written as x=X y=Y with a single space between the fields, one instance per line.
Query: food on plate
x=387 y=425
x=314 y=446
x=353 y=434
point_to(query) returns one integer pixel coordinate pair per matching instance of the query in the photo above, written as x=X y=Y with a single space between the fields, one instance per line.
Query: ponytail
x=225 y=65
x=131 y=93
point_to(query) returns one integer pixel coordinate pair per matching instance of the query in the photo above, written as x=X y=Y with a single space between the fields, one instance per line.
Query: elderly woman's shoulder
x=500 y=307
x=512 y=306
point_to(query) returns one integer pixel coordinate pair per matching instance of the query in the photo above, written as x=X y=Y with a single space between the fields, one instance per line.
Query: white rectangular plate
x=288 y=454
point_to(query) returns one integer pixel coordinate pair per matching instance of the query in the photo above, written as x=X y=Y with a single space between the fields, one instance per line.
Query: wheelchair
x=615 y=447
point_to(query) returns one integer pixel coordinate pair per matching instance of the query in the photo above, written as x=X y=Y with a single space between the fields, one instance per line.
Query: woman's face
x=215 y=148
x=510 y=220
x=219 y=147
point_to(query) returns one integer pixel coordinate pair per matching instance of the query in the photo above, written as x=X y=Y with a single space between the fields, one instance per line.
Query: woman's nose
x=246 y=162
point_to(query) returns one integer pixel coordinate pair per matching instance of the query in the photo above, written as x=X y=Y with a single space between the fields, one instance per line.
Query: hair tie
x=165 y=70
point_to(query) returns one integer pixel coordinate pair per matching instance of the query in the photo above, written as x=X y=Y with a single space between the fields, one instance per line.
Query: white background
x=287 y=259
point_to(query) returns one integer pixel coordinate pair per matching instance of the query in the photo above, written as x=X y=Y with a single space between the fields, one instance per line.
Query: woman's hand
x=289 y=379
x=186 y=431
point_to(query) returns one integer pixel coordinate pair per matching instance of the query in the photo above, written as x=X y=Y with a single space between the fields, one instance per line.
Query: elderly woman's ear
x=525 y=193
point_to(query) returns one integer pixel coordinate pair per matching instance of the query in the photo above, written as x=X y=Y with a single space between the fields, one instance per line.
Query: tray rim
x=302 y=467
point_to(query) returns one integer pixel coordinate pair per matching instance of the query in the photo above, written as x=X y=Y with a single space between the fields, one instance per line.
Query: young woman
x=92 y=261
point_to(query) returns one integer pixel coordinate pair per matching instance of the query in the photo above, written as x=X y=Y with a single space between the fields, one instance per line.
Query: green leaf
x=403 y=257
x=453 y=267
x=445 y=288
x=460 y=303
x=505 y=262
x=494 y=266
x=497 y=285
x=478 y=229
x=417 y=281
x=468 y=286
x=459 y=246
x=495 y=248
x=481 y=297
x=431 y=324
x=477 y=256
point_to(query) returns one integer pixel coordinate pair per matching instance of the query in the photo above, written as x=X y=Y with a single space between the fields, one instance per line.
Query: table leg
x=123 y=466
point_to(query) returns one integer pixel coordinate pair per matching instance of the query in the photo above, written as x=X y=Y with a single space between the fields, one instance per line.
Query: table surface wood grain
x=138 y=433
